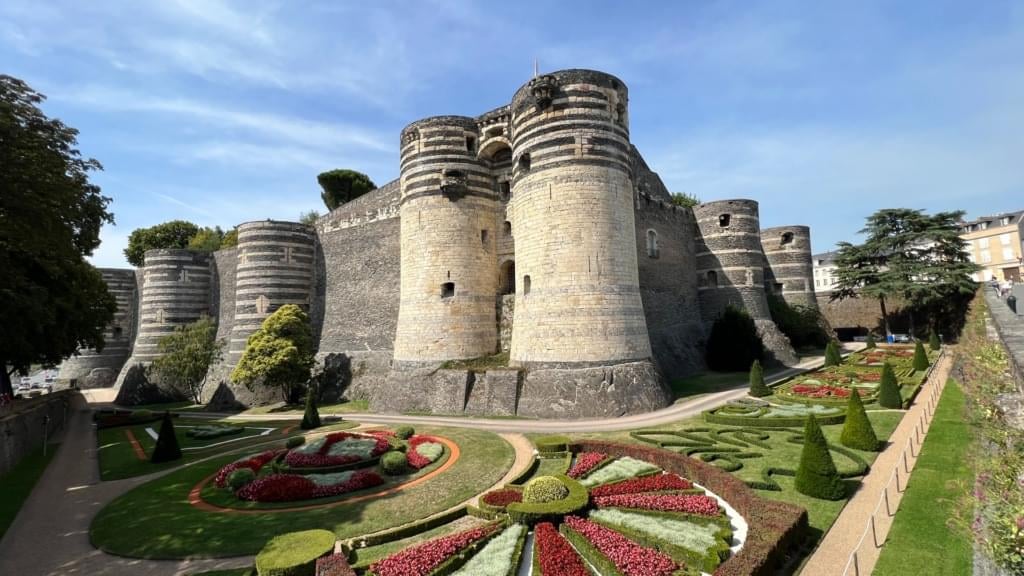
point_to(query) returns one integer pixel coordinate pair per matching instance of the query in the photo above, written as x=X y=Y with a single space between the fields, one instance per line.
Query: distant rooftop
x=985 y=222
x=824 y=258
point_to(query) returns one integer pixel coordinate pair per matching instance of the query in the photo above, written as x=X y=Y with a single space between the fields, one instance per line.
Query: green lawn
x=920 y=535
x=17 y=484
x=155 y=520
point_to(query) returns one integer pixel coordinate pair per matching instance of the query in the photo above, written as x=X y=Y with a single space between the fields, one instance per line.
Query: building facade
x=995 y=244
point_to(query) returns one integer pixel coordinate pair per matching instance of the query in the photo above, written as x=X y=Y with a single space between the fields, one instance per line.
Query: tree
x=52 y=302
x=758 y=388
x=857 y=430
x=933 y=340
x=817 y=476
x=206 y=240
x=832 y=356
x=684 y=199
x=279 y=354
x=173 y=234
x=733 y=344
x=889 y=389
x=803 y=325
x=920 y=356
x=311 y=417
x=869 y=343
x=341 y=186
x=167 y=448
x=309 y=218
x=230 y=239
x=186 y=356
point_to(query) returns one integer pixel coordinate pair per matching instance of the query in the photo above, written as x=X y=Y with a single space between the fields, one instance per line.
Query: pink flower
x=424 y=558
x=687 y=503
x=585 y=462
x=629 y=557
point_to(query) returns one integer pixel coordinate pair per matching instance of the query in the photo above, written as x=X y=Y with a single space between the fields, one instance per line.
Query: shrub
x=394 y=463
x=857 y=431
x=532 y=512
x=758 y=388
x=733 y=344
x=404 y=432
x=933 y=340
x=544 y=489
x=870 y=342
x=295 y=442
x=167 y=448
x=551 y=444
x=920 y=356
x=311 y=417
x=803 y=325
x=817 y=476
x=295 y=553
x=889 y=389
x=240 y=477
x=832 y=356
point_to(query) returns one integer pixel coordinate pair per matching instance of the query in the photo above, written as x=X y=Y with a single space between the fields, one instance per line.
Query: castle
x=535 y=229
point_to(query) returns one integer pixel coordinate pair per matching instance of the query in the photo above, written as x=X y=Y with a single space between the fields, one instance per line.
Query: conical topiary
x=933 y=341
x=757 y=386
x=167 y=448
x=857 y=430
x=889 y=389
x=817 y=476
x=920 y=357
x=832 y=357
x=870 y=342
x=311 y=418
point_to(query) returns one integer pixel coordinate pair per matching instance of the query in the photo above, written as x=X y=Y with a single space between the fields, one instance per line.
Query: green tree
x=341 y=186
x=186 y=355
x=889 y=389
x=933 y=340
x=206 y=240
x=167 y=448
x=733 y=344
x=311 y=417
x=857 y=430
x=803 y=325
x=52 y=302
x=279 y=354
x=920 y=356
x=230 y=239
x=817 y=476
x=309 y=218
x=870 y=342
x=684 y=199
x=173 y=234
x=832 y=355
x=758 y=388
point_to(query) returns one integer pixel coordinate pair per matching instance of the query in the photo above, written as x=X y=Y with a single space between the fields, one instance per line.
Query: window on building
x=508 y=277
x=983 y=226
x=447 y=290
x=118 y=332
x=524 y=161
x=652 y=244
x=1004 y=239
x=507 y=229
x=471 y=144
x=526 y=285
x=787 y=238
x=986 y=256
x=484 y=237
x=1008 y=254
x=1004 y=221
x=712 y=277
x=723 y=220
x=983 y=243
x=506 y=190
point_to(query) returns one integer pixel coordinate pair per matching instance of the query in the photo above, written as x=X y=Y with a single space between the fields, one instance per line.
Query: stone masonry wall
x=22 y=432
x=789 y=268
x=92 y=369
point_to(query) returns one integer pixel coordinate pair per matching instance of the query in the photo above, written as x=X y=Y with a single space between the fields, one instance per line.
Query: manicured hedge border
x=551 y=444
x=736 y=420
x=404 y=531
x=773 y=527
x=531 y=513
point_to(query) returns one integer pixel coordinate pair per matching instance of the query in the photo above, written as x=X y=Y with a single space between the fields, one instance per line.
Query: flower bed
x=291 y=487
x=686 y=503
x=254 y=463
x=423 y=450
x=695 y=543
x=502 y=498
x=618 y=470
x=823 y=391
x=499 y=556
x=428 y=556
x=656 y=483
x=628 y=557
x=553 y=555
x=337 y=449
x=586 y=462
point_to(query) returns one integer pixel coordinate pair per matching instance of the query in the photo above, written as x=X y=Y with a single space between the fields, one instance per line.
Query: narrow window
x=447 y=290
x=723 y=220
x=117 y=332
x=508 y=229
x=787 y=238
x=484 y=237
x=712 y=279
x=526 y=285
x=471 y=144
x=524 y=161
x=652 y=244
x=508 y=277
x=506 y=190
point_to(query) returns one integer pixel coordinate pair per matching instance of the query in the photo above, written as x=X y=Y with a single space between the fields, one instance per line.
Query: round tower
x=275 y=267
x=577 y=294
x=790 y=273
x=92 y=369
x=730 y=263
x=449 y=225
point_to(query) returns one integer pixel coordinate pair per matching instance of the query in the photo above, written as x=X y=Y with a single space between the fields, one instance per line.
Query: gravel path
x=833 y=552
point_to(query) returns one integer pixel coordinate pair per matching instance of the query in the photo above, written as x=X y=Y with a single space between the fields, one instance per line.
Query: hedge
x=294 y=553
x=531 y=513
x=774 y=527
x=758 y=388
x=920 y=357
x=857 y=431
x=817 y=476
x=738 y=420
x=889 y=389
x=406 y=530
x=551 y=444
x=393 y=463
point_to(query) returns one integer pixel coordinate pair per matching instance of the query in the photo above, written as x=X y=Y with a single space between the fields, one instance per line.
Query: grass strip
x=17 y=484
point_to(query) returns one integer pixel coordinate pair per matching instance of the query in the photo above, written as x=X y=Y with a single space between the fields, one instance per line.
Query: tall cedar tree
x=733 y=344
x=311 y=417
x=889 y=389
x=167 y=448
x=817 y=476
x=186 y=355
x=908 y=254
x=341 y=186
x=52 y=302
x=758 y=388
x=279 y=354
x=920 y=356
x=857 y=430
x=832 y=356
x=173 y=234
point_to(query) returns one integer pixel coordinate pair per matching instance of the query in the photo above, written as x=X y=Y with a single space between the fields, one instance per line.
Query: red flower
x=554 y=554
x=502 y=498
x=824 y=391
x=321 y=458
x=655 y=483
x=629 y=557
x=422 y=559
x=415 y=459
x=585 y=462
x=254 y=463
x=290 y=487
x=688 y=503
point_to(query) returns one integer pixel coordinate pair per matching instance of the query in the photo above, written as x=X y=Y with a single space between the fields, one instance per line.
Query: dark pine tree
x=817 y=476
x=167 y=448
x=920 y=356
x=857 y=430
x=889 y=389
x=758 y=388
x=311 y=418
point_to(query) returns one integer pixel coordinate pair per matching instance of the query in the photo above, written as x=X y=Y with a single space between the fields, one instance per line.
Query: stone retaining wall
x=1010 y=327
x=22 y=431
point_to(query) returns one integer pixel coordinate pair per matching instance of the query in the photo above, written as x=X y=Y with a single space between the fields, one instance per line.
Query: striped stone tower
x=275 y=267
x=577 y=293
x=790 y=271
x=91 y=369
x=449 y=221
x=730 y=263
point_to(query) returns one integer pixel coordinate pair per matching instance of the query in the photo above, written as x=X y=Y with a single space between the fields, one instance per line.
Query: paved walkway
x=833 y=552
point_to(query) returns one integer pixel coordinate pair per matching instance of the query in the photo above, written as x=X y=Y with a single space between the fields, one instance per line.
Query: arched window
x=712 y=279
x=526 y=285
x=652 y=244
x=723 y=220
x=507 y=229
x=507 y=278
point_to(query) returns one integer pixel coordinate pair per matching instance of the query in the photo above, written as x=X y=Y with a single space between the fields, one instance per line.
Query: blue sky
x=221 y=112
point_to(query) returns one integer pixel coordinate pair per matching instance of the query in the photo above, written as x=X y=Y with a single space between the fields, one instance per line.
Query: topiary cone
x=870 y=342
x=857 y=430
x=167 y=448
x=817 y=476
x=933 y=341
x=311 y=417
x=920 y=356
x=758 y=388
x=832 y=356
x=889 y=389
